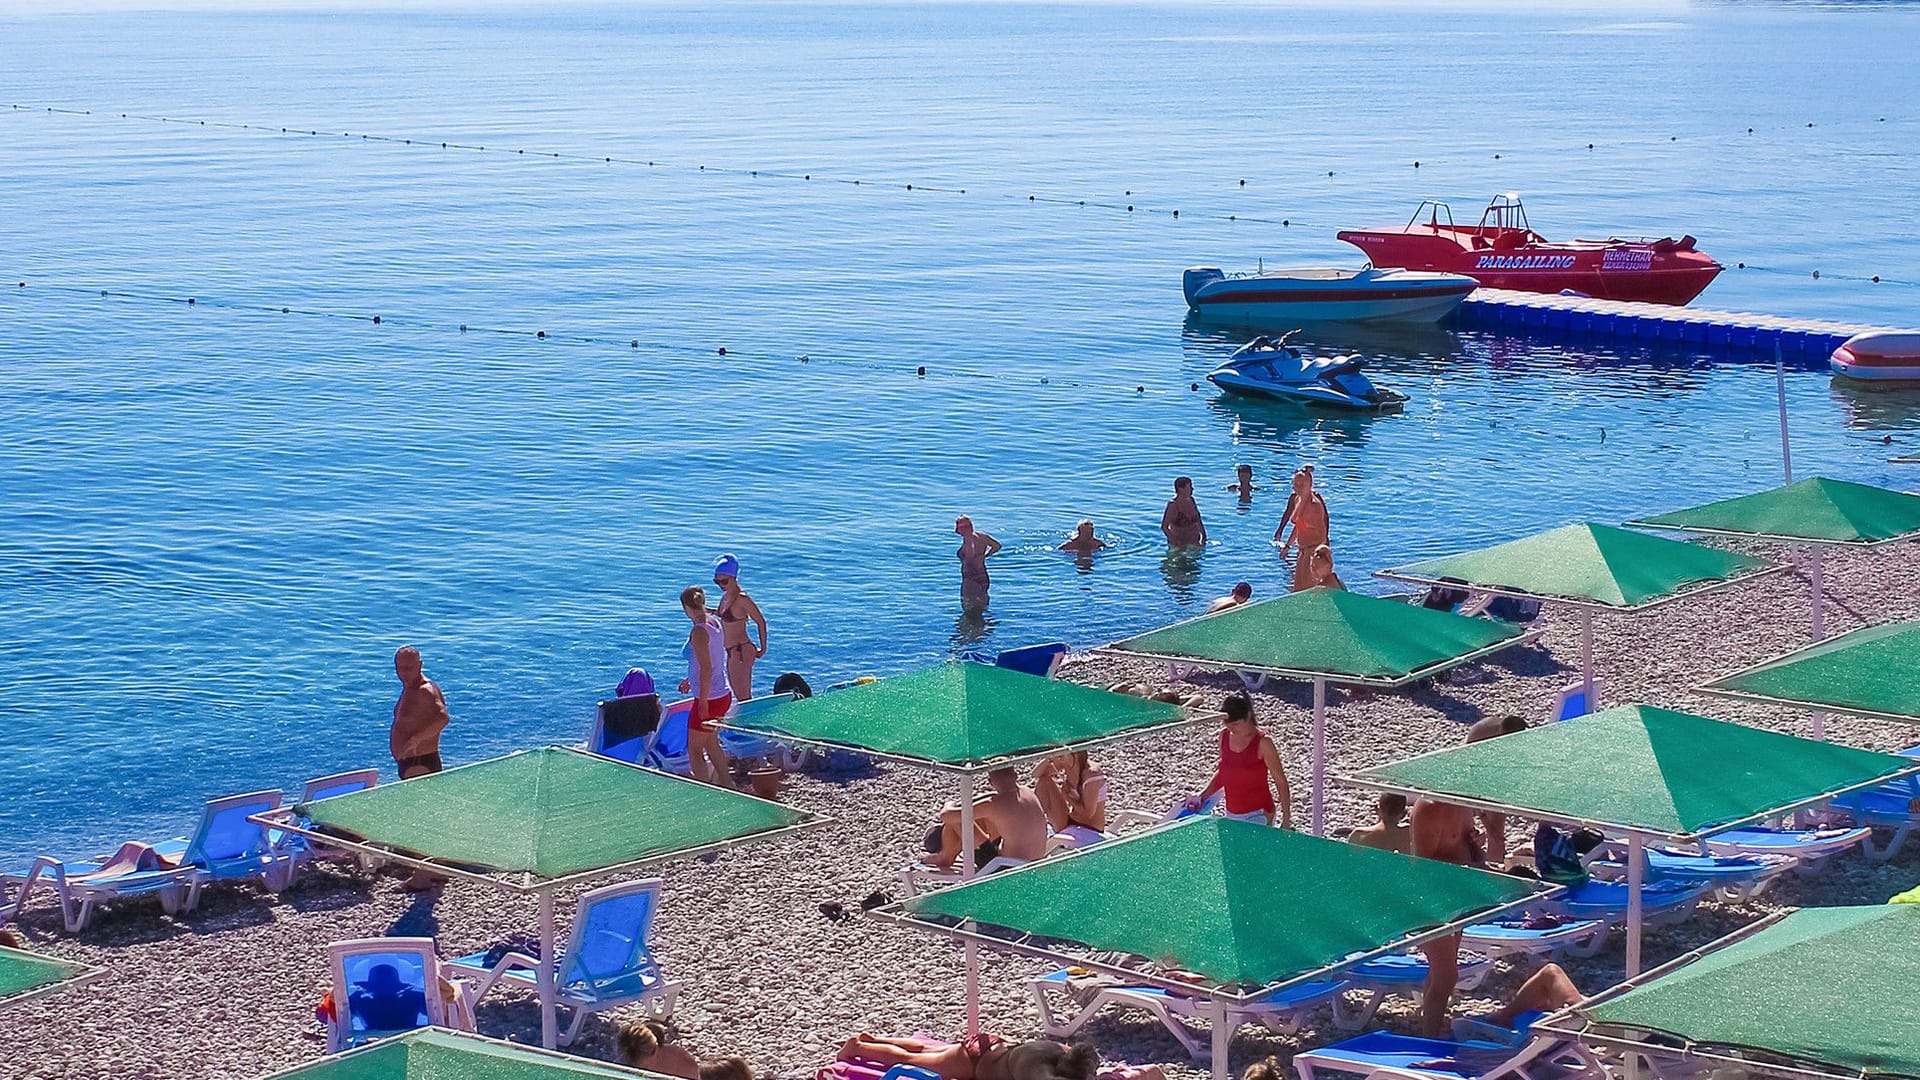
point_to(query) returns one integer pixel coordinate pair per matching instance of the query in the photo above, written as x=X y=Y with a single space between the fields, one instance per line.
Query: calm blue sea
x=217 y=521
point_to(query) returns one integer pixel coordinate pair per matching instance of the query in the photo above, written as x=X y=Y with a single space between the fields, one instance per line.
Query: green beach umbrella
x=1588 y=566
x=440 y=1054
x=1258 y=909
x=966 y=718
x=1653 y=774
x=1325 y=635
x=1822 y=992
x=25 y=975
x=962 y=717
x=1816 y=512
x=1872 y=672
x=537 y=820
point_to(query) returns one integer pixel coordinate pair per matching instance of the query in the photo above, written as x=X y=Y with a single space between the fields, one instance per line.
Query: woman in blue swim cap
x=735 y=611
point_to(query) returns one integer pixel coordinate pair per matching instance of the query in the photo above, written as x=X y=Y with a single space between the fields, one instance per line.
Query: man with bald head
x=418 y=718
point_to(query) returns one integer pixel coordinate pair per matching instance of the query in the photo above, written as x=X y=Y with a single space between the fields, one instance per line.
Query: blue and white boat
x=1291 y=297
x=1269 y=367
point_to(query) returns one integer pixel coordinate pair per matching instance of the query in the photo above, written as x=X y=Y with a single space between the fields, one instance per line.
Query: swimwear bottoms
x=717 y=709
x=431 y=762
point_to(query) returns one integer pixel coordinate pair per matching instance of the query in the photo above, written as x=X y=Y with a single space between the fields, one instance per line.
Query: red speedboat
x=1503 y=252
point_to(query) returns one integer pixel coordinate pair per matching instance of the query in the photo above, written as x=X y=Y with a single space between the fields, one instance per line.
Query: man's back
x=1444 y=832
x=1020 y=822
x=1384 y=837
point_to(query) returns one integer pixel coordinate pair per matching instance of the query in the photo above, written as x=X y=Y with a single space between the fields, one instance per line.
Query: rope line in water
x=1100 y=203
x=628 y=344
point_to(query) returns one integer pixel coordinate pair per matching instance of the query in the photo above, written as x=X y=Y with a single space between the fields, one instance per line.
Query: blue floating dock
x=1801 y=341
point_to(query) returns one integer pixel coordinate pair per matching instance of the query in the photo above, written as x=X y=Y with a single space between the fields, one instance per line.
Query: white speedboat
x=1286 y=297
x=1889 y=355
x=1269 y=367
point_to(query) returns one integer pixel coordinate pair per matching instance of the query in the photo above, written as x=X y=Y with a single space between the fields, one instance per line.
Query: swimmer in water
x=975 y=549
x=1242 y=485
x=1241 y=594
x=1083 y=542
x=1181 y=521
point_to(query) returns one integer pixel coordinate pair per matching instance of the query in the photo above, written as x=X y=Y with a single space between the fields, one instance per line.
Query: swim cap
x=726 y=566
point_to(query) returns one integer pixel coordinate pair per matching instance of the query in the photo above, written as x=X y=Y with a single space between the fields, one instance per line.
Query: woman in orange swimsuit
x=735 y=611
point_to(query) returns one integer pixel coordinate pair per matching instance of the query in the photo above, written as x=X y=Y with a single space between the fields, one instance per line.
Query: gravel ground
x=231 y=987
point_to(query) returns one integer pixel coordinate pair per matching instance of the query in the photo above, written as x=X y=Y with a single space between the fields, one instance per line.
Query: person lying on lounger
x=1009 y=823
x=982 y=1057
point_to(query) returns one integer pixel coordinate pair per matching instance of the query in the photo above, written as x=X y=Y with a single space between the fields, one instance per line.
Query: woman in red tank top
x=1247 y=759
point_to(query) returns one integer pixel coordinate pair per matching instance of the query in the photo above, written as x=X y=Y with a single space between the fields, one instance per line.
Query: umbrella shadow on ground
x=328 y=892
x=109 y=929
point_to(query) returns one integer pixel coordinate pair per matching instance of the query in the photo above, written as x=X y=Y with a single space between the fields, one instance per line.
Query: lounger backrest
x=671 y=742
x=1041 y=660
x=346 y=783
x=362 y=1016
x=610 y=932
x=225 y=834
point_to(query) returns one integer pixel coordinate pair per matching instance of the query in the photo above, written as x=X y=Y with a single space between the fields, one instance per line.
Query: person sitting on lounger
x=1392 y=833
x=1547 y=990
x=1242 y=593
x=1009 y=823
x=1073 y=792
x=982 y=1057
x=383 y=1003
x=1083 y=543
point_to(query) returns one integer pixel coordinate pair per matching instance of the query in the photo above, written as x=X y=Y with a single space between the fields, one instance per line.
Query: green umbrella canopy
x=1327 y=633
x=439 y=1054
x=1643 y=769
x=1831 y=988
x=24 y=974
x=1816 y=510
x=1587 y=563
x=1254 y=906
x=549 y=813
x=1873 y=672
x=963 y=716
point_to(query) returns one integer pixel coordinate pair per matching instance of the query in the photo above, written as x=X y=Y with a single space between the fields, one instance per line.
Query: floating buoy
x=1416 y=164
x=909 y=187
x=1139 y=389
x=1816 y=273
x=463 y=328
x=1129 y=193
x=1286 y=223
x=1243 y=183
x=103 y=292
x=1129 y=208
x=1749 y=131
x=1029 y=198
x=1230 y=217
x=1176 y=213
x=189 y=299
x=805 y=359
x=921 y=370
x=636 y=343
x=1742 y=266
x=542 y=334
x=1876 y=279
x=1193 y=386
x=376 y=320
x=1589 y=146
x=289 y=311
x=1496 y=157
x=1809 y=123
x=723 y=350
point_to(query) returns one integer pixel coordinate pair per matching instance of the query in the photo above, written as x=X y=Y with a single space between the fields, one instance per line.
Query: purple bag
x=636 y=683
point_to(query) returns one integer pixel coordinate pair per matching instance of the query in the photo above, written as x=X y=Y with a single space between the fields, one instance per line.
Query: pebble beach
x=229 y=989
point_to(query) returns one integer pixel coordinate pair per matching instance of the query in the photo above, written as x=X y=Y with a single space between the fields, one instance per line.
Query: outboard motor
x=1197 y=278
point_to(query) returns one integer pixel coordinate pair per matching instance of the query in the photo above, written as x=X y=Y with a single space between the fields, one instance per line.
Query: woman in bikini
x=981 y=1057
x=975 y=549
x=1073 y=792
x=1180 y=522
x=707 y=681
x=1247 y=760
x=735 y=611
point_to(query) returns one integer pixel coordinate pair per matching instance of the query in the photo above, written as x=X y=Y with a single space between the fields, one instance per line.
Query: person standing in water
x=1180 y=522
x=418 y=719
x=707 y=681
x=975 y=549
x=1307 y=512
x=735 y=611
x=1242 y=485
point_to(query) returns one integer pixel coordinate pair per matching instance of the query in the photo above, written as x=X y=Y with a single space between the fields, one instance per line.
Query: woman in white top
x=707 y=681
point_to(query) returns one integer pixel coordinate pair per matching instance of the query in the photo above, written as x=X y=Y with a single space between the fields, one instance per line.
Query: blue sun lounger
x=1893 y=806
x=1513 y=937
x=1501 y=1053
x=1811 y=848
x=1280 y=1011
x=1399 y=973
x=1662 y=903
x=226 y=846
x=1737 y=878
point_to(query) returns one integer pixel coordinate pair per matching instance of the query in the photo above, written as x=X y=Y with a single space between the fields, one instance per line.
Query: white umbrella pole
x=1636 y=883
x=549 y=972
x=1586 y=658
x=1780 y=389
x=966 y=874
x=1319 y=757
x=1819 y=576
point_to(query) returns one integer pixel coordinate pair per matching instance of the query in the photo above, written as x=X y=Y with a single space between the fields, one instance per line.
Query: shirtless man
x=1241 y=594
x=1307 y=513
x=418 y=719
x=1391 y=834
x=1444 y=832
x=1495 y=825
x=1011 y=814
x=1180 y=523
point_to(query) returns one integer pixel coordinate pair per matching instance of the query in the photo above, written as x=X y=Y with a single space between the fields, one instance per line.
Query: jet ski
x=1269 y=367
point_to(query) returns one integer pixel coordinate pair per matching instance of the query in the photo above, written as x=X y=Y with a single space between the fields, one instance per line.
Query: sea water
x=218 y=520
